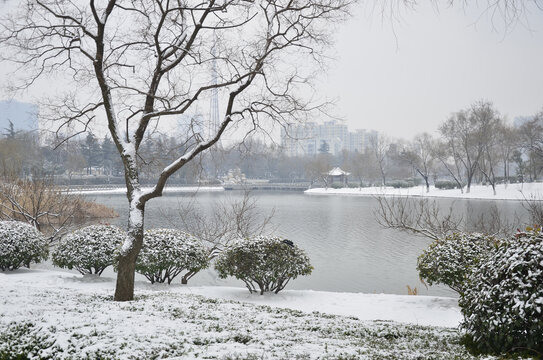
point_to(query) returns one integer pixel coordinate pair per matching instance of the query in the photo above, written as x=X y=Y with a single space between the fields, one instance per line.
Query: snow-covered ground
x=418 y=310
x=73 y=316
x=509 y=192
x=172 y=189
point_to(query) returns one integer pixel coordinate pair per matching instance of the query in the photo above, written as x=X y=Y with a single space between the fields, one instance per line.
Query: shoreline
x=173 y=189
x=513 y=192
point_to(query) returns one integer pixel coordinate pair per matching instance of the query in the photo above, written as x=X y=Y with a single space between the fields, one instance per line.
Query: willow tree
x=134 y=64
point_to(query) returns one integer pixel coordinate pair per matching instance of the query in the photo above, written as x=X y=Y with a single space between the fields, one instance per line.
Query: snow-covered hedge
x=166 y=253
x=264 y=262
x=90 y=249
x=449 y=261
x=503 y=304
x=20 y=245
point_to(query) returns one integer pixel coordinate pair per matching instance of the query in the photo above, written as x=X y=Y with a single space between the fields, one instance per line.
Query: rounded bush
x=446 y=185
x=503 y=304
x=89 y=250
x=449 y=261
x=166 y=253
x=264 y=262
x=20 y=245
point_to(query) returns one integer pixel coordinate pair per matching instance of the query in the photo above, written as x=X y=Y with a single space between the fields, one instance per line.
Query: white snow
x=509 y=192
x=66 y=316
x=418 y=310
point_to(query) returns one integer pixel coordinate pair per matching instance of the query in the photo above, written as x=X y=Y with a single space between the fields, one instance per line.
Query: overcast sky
x=406 y=77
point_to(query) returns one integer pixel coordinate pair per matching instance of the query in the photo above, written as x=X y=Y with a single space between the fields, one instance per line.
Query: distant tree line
x=474 y=145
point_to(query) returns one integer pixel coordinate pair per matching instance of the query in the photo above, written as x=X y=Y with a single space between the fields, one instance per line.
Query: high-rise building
x=307 y=139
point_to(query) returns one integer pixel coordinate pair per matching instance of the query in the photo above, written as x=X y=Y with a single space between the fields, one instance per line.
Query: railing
x=246 y=186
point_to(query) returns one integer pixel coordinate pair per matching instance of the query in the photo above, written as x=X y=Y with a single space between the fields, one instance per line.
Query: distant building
x=24 y=116
x=336 y=174
x=306 y=139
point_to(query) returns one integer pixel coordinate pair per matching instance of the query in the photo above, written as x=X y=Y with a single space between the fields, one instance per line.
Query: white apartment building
x=306 y=139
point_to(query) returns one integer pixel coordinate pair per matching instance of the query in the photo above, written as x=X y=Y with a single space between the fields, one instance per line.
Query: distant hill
x=24 y=116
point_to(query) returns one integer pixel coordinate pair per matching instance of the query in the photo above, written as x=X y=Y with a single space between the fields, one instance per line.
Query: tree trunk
x=124 y=290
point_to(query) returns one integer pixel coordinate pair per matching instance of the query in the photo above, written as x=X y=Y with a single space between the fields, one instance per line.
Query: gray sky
x=407 y=76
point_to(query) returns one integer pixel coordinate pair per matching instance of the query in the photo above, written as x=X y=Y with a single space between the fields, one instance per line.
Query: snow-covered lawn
x=509 y=192
x=69 y=316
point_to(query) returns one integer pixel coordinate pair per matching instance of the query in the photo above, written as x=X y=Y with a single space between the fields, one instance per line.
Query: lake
x=348 y=249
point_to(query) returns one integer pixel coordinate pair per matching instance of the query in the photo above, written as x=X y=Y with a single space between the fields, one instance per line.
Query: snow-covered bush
x=20 y=245
x=166 y=253
x=264 y=262
x=503 y=304
x=450 y=260
x=89 y=250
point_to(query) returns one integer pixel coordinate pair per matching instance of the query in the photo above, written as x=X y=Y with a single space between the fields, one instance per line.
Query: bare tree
x=507 y=143
x=419 y=154
x=466 y=133
x=226 y=221
x=317 y=168
x=531 y=135
x=379 y=145
x=137 y=63
x=441 y=152
x=491 y=146
x=40 y=203
x=429 y=218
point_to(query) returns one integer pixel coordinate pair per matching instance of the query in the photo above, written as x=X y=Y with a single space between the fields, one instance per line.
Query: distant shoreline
x=516 y=192
x=122 y=190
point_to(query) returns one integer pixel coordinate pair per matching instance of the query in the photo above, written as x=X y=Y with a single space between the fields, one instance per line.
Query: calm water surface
x=348 y=249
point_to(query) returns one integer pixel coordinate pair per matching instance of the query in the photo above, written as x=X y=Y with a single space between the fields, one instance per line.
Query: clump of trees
x=89 y=250
x=503 y=301
x=167 y=253
x=38 y=202
x=263 y=263
x=21 y=245
x=498 y=277
x=450 y=260
x=224 y=222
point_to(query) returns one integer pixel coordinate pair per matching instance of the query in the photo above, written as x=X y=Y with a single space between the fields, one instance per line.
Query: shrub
x=503 y=304
x=89 y=250
x=167 y=252
x=266 y=262
x=337 y=186
x=20 y=245
x=401 y=184
x=449 y=261
x=446 y=185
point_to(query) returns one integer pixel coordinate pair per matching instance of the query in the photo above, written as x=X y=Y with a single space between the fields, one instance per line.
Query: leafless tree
x=531 y=137
x=466 y=134
x=491 y=146
x=508 y=142
x=449 y=161
x=134 y=63
x=317 y=168
x=225 y=221
x=419 y=154
x=429 y=218
x=40 y=203
x=363 y=167
x=379 y=145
